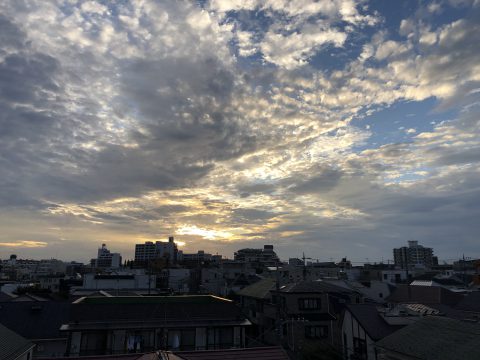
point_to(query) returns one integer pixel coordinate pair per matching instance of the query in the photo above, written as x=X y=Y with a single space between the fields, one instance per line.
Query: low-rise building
x=118 y=325
x=119 y=281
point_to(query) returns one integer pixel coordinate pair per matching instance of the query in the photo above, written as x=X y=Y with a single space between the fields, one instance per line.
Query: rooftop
x=370 y=319
x=260 y=289
x=136 y=311
x=436 y=338
x=35 y=320
x=12 y=345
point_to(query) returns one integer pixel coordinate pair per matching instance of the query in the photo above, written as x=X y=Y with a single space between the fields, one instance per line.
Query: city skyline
x=333 y=127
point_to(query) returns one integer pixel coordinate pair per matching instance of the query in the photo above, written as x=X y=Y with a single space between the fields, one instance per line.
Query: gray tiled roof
x=368 y=317
x=259 y=290
x=314 y=287
x=436 y=338
x=12 y=345
x=192 y=308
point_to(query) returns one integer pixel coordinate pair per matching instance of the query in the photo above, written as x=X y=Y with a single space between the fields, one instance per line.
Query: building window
x=220 y=338
x=316 y=332
x=359 y=348
x=309 y=304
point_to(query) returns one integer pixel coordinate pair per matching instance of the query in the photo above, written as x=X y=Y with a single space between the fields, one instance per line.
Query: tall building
x=107 y=259
x=159 y=249
x=413 y=255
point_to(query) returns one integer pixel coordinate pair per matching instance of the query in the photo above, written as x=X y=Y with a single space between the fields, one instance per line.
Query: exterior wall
x=377 y=291
x=351 y=329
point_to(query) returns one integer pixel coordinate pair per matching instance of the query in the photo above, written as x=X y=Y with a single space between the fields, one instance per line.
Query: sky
x=334 y=128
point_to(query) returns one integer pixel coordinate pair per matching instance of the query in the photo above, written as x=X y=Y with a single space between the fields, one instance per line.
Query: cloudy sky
x=330 y=127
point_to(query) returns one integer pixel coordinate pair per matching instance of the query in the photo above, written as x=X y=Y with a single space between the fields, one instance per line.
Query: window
x=220 y=338
x=139 y=341
x=385 y=276
x=360 y=348
x=93 y=343
x=316 y=332
x=309 y=304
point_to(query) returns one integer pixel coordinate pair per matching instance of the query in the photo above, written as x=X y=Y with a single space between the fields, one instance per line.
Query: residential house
x=298 y=314
x=365 y=324
x=118 y=325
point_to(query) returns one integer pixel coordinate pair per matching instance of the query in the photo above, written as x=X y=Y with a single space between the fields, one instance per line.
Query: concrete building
x=107 y=259
x=159 y=249
x=414 y=255
x=258 y=257
x=119 y=281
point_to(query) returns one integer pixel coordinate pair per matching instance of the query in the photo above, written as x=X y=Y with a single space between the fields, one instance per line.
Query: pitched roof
x=260 y=289
x=165 y=309
x=12 y=345
x=424 y=295
x=436 y=338
x=371 y=321
x=314 y=287
x=35 y=320
x=260 y=353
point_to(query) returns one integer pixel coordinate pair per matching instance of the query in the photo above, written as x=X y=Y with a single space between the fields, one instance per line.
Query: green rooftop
x=123 y=300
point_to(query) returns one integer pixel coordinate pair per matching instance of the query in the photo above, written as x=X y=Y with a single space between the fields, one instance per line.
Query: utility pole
x=279 y=320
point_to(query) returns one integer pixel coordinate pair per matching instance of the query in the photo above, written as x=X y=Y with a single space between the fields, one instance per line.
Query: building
x=258 y=257
x=306 y=313
x=119 y=281
x=413 y=256
x=106 y=259
x=362 y=326
x=160 y=249
x=119 y=325
x=13 y=346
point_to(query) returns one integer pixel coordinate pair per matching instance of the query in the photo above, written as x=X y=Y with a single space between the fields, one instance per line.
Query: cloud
x=24 y=244
x=219 y=124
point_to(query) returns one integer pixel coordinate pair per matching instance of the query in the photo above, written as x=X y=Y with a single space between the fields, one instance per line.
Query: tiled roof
x=154 y=309
x=35 y=320
x=436 y=338
x=314 y=287
x=260 y=290
x=12 y=345
x=261 y=353
x=371 y=321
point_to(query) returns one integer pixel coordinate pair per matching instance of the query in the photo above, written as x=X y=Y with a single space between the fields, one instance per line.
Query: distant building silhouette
x=413 y=255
